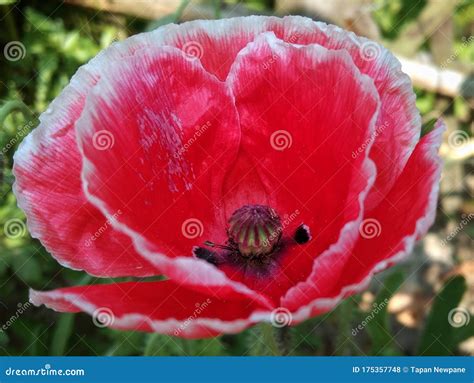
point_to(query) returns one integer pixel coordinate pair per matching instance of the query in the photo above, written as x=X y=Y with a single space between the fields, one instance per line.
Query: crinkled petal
x=404 y=216
x=397 y=131
x=303 y=111
x=164 y=307
x=48 y=186
x=217 y=43
x=158 y=134
x=385 y=236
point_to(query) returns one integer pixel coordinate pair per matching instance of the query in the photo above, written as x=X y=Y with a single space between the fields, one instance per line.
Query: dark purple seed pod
x=255 y=229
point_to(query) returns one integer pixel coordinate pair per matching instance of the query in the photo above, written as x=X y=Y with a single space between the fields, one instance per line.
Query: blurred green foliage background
x=59 y=37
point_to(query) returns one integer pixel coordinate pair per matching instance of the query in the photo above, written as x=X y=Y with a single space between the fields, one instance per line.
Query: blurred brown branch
x=433 y=17
x=354 y=16
x=434 y=79
x=152 y=10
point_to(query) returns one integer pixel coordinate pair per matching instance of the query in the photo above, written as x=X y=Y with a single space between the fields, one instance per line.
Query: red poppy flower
x=268 y=167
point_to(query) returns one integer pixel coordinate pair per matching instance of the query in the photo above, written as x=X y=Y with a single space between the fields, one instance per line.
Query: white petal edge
x=349 y=232
x=182 y=268
x=163 y=36
x=421 y=227
x=168 y=326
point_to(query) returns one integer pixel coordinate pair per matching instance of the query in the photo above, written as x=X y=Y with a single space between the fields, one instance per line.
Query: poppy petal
x=164 y=307
x=399 y=122
x=169 y=131
x=217 y=43
x=405 y=214
x=385 y=236
x=48 y=186
x=303 y=111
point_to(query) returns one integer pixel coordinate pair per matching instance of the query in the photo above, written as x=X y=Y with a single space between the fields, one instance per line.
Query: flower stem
x=15 y=105
x=283 y=340
x=266 y=331
x=277 y=340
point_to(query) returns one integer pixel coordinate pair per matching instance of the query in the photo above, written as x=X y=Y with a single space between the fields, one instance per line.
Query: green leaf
x=427 y=127
x=13 y=106
x=439 y=336
x=65 y=327
x=217 y=4
x=164 y=345
x=61 y=334
x=169 y=19
x=378 y=325
x=267 y=340
x=27 y=267
x=6 y=2
x=127 y=343
x=344 y=317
